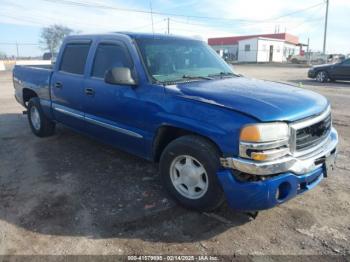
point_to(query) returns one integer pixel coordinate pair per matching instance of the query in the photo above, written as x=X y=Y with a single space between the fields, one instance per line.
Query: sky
x=22 y=21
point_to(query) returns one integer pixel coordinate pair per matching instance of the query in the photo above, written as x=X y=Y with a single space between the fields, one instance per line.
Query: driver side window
x=109 y=56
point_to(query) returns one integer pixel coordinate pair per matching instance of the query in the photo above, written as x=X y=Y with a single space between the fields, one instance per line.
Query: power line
x=309 y=19
x=81 y=4
x=17 y=43
x=43 y=23
x=298 y=11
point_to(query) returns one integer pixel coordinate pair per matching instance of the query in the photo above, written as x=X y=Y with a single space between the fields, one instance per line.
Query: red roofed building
x=257 y=48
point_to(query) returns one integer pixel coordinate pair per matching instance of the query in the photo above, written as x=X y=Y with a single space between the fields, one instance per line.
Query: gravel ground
x=69 y=194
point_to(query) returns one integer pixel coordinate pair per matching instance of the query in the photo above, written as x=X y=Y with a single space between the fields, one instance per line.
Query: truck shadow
x=71 y=185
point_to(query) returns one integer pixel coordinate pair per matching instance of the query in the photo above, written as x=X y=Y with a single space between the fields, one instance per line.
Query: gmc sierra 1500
x=173 y=100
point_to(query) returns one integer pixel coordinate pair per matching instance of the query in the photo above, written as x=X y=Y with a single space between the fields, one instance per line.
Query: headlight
x=264 y=132
x=266 y=141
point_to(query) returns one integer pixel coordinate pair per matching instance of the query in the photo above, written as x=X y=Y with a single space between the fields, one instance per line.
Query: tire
x=40 y=125
x=322 y=77
x=188 y=167
x=295 y=61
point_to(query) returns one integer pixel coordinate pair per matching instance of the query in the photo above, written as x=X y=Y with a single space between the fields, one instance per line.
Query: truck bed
x=34 y=78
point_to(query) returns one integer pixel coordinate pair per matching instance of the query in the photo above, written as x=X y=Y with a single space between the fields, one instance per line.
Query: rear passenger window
x=109 y=56
x=74 y=58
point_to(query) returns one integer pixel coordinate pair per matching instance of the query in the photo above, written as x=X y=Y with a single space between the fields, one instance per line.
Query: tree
x=52 y=37
x=2 y=55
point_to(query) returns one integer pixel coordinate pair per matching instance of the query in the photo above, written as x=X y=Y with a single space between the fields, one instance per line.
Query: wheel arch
x=165 y=134
x=28 y=94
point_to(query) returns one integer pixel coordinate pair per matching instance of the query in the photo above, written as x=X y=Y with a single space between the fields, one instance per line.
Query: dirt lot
x=69 y=194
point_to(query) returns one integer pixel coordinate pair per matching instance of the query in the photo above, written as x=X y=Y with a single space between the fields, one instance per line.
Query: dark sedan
x=331 y=72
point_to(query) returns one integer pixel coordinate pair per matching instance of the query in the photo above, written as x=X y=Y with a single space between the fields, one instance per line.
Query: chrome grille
x=309 y=134
x=312 y=135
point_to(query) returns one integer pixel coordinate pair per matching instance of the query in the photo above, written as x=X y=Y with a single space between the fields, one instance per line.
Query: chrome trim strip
x=244 y=146
x=112 y=127
x=96 y=122
x=265 y=145
x=273 y=154
x=310 y=121
x=64 y=111
x=297 y=165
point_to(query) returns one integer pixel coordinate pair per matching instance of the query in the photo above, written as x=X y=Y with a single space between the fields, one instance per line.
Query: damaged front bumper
x=281 y=179
x=297 y=165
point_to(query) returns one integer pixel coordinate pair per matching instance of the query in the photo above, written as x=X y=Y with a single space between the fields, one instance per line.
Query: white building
x=257 y=48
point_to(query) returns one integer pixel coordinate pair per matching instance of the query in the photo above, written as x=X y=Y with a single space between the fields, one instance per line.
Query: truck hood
x=264 y=100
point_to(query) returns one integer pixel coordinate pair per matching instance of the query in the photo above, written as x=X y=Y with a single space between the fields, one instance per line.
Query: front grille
x=311 y=136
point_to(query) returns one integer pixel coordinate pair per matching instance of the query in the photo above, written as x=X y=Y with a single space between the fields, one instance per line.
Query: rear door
x=67 y=84
x=345 y=70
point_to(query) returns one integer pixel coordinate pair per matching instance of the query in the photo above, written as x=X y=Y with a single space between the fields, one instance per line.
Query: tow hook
x=252 y=215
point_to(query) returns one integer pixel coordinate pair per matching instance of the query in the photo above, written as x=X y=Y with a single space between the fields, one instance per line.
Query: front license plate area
x=329 y=162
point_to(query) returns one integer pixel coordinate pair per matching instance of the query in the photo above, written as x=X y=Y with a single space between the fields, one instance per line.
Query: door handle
x=89 y=91
x=58 y=85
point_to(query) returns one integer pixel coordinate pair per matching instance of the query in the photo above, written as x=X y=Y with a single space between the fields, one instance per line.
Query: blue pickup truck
x=216 y=135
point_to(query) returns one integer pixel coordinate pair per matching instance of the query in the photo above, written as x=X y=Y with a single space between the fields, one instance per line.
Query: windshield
x=171 y=60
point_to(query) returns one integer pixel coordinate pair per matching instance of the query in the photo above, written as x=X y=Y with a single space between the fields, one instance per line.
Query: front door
x=114 y=113
x=67 y=85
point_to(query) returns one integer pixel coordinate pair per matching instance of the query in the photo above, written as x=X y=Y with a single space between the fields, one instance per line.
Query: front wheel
x=188 y=169
x=322 y=76
x=39 y=124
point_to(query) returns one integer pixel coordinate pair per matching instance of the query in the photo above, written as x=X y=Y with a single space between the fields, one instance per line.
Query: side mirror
x=120 y=76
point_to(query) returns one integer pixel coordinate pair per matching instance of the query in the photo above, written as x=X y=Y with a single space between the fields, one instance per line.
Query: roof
x=132 y=35
x=157 y=36
x=263 y=38
x=232 y=40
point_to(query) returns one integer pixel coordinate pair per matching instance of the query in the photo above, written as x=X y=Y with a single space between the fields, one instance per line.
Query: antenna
x=150 y=5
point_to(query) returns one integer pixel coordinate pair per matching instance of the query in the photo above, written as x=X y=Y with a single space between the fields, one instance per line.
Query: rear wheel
x=40 y=125
x=322 y=76
x=188 y=169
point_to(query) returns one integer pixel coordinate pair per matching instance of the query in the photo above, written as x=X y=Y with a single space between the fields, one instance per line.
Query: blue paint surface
x=260 y=195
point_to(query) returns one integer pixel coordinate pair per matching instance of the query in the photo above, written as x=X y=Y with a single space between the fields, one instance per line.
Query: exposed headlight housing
x=265 y=141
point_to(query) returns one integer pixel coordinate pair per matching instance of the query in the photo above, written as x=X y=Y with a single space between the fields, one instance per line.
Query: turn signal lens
x=250 y=133
x=259 y=156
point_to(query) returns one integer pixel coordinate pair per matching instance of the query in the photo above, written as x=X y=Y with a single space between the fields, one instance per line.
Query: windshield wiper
x=223 y=74
x=182 y=79
x=197 y=77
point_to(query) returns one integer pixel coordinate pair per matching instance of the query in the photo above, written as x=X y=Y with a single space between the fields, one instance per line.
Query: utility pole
x=17 y=50
x=168 y=25
x=308 y=51
x=325 y=28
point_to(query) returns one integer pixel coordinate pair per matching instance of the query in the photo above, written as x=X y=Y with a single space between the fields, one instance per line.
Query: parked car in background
x=331 y=72
x=173 y=100
x=298 y=59
x=335 y=58
x=311 y=57
x=49 y=56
